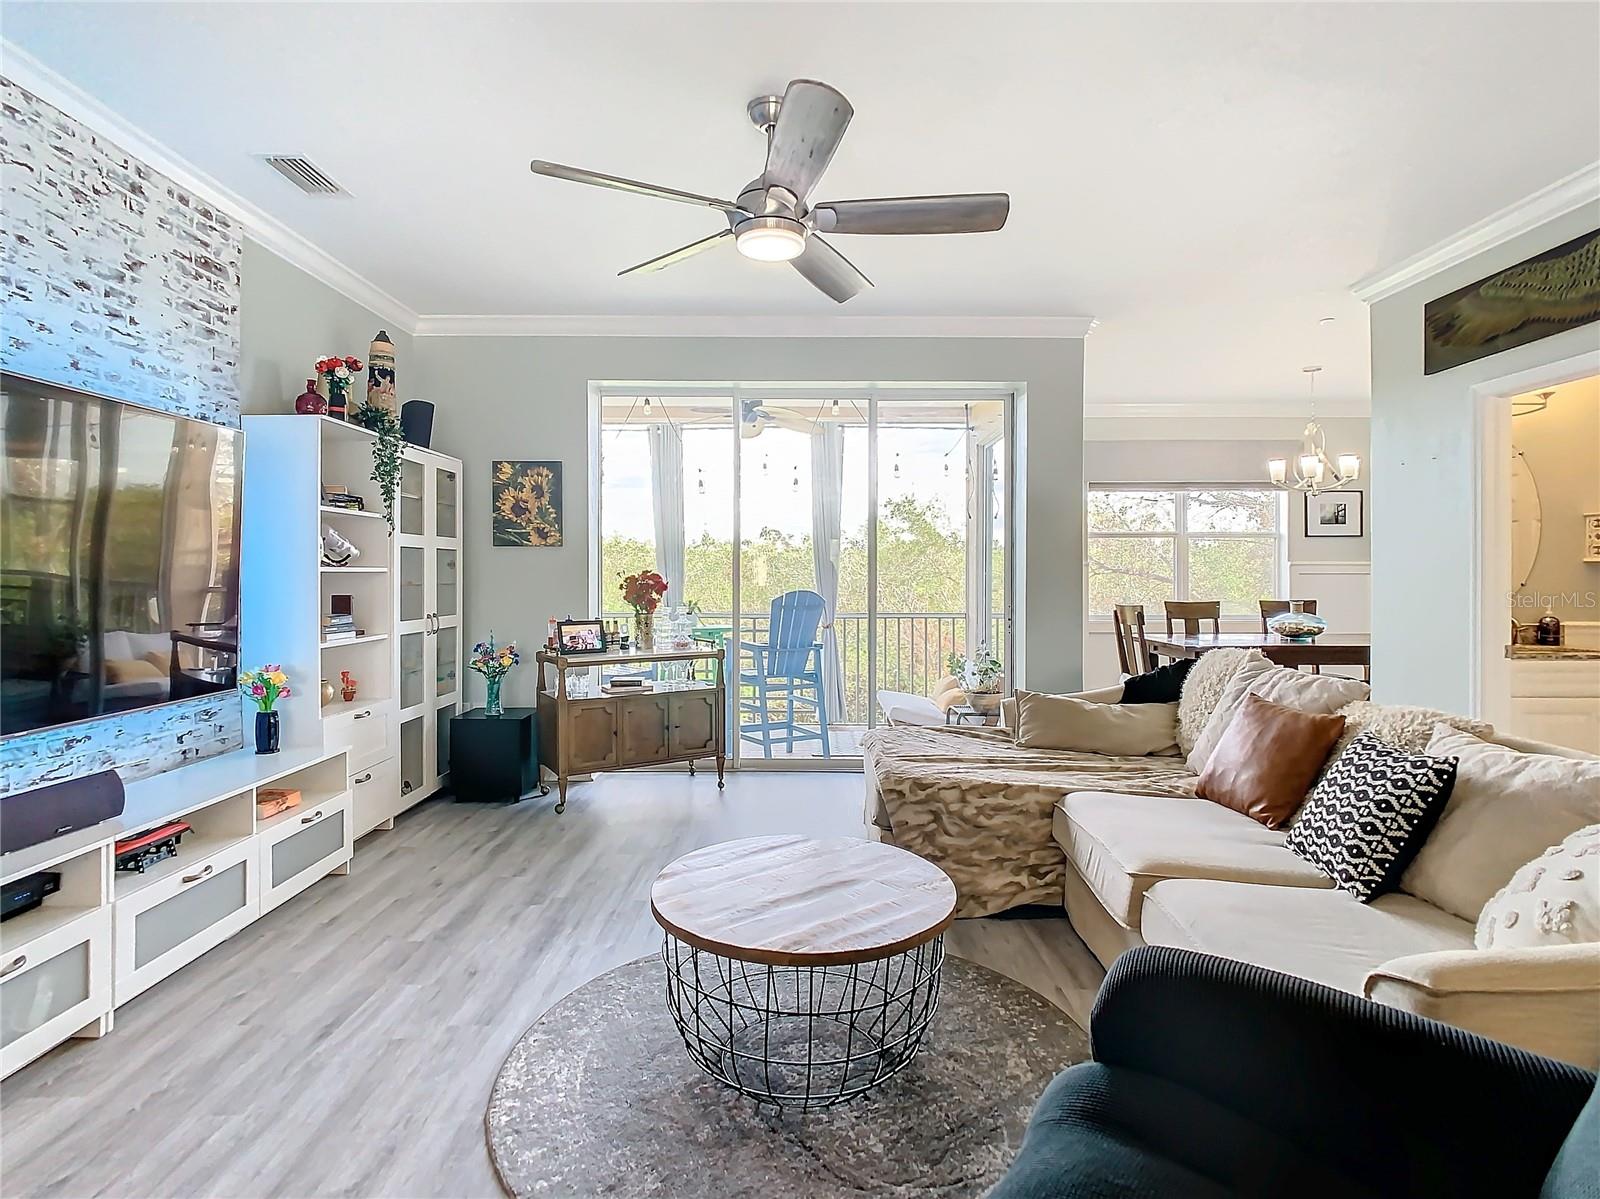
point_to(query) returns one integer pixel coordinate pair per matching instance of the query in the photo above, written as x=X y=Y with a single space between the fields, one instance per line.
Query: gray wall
x=289 y=320
x=527 y=397
x=1424 y=434
x=1237 y=455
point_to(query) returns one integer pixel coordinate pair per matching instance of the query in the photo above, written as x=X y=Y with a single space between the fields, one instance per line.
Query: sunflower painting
x=527 y=503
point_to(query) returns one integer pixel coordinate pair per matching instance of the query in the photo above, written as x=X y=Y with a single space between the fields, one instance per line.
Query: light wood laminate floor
x=345 y=1043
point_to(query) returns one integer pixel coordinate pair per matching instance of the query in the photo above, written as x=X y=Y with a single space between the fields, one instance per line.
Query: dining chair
x=1193 y=614
x=1275 y=607
x=785 y=670
x=1133 y=653
x=1271 y=608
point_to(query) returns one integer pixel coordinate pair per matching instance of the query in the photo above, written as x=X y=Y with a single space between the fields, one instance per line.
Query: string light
x=647 y=407
x=700 y=483
x=833 y=408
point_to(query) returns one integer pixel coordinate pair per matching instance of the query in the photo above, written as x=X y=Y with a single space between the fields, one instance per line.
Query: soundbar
x=58 y=809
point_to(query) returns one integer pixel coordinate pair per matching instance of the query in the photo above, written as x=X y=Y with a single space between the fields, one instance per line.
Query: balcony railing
x=913 y=648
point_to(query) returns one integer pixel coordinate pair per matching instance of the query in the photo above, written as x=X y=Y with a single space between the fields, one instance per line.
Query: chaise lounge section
x=1137 y=859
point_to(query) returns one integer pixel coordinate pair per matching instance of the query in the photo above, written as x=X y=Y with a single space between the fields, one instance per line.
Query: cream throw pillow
x=1317 y=694
x=1063 y=722
x=1506 y=809
x=1553 y=900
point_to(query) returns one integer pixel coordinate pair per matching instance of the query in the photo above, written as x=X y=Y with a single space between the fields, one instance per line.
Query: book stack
x=339 y=627
x=338 y=497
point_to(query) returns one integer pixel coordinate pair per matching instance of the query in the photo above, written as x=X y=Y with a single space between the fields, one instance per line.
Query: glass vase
x=644 y=631
x=491 y=704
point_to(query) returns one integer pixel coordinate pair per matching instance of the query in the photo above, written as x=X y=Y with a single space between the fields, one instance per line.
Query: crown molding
x=1561 y=197
x=1296 y=410
x=33 y=76
x=754 y=326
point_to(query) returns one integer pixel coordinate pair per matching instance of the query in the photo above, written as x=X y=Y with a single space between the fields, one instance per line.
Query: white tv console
x=107 y=935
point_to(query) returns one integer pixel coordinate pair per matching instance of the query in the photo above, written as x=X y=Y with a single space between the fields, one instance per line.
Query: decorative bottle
x=1548 y=631
x=310 y=403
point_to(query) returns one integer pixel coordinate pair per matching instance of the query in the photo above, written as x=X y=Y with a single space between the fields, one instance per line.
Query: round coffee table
x=802 y=972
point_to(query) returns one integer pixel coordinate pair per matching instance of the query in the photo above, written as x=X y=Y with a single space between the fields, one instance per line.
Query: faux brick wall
x=115 y=280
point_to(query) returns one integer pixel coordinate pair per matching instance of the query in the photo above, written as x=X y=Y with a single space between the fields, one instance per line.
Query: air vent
x=307 y=177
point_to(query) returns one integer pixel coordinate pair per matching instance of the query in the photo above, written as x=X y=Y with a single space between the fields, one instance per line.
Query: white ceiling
x=1206 y=180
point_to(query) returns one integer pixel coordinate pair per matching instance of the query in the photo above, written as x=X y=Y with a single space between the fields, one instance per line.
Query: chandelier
x=1313 y=471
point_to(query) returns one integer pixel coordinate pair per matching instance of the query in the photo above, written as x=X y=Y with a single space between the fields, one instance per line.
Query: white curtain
x=666 y=493
x=827 y=494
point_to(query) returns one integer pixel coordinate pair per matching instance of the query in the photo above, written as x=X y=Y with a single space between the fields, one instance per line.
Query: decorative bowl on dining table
x=1297 y=626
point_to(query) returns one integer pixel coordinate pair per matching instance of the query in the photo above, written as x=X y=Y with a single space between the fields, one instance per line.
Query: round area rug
x=600 y=1098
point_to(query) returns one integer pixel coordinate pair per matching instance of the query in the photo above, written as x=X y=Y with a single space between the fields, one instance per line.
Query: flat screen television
x=119 y=556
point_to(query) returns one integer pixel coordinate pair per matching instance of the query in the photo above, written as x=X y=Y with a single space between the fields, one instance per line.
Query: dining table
x=1327 y=649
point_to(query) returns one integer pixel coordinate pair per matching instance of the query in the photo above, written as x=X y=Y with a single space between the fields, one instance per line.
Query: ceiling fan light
x=771 y=239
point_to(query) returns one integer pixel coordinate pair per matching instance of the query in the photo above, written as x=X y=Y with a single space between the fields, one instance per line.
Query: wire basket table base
x=802 y=1037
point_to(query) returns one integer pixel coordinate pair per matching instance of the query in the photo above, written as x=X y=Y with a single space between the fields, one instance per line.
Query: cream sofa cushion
x=1552 y=900
x=1069 y=723
x=1544 y=1000
x=1099 y=695
x=1318 y=694
x=1123 y=844
x=1328 y=936
x=1506 y=809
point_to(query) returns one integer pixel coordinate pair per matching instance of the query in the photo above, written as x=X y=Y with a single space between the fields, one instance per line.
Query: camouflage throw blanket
x=979 y=807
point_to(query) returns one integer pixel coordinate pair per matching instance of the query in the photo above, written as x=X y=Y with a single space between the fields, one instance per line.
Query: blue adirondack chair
x=785 y=670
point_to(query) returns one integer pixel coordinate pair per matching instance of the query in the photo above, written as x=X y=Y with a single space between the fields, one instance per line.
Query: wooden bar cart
x=666 y=722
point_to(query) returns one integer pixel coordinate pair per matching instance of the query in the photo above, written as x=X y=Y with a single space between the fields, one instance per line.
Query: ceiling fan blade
x=811 y=121
x=556 y=171
x=829 y=271
x=678 y=255
x=982 y=213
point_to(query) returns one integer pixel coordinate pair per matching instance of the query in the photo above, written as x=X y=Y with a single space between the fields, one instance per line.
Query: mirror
x=1527 y=519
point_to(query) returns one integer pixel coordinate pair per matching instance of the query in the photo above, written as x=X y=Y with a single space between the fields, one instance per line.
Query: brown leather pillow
x=1268 y=759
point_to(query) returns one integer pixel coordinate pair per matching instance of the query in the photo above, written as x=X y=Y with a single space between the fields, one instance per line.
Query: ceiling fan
x=773 y=221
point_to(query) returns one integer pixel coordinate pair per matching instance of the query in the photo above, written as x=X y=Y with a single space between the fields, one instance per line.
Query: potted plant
x=385 y=452
x=982 y=677
x=266 y=686
x=642 y=592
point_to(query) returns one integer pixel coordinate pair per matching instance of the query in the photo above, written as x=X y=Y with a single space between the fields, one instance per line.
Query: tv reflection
x=119 y=579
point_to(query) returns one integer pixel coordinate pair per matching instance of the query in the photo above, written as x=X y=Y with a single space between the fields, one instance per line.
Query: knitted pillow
x=1553 y=900
x=1364 y=822
x=1203 y=687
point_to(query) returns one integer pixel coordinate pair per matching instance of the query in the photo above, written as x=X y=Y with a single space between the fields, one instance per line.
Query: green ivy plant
x=385 y=452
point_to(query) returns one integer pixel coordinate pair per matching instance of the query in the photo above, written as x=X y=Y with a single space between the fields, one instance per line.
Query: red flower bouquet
x=642 y=592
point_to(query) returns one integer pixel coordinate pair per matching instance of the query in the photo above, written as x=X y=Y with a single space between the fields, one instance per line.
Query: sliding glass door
x=847 y=546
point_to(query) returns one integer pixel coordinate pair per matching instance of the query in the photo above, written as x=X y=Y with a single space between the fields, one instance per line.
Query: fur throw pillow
x=1203 y=687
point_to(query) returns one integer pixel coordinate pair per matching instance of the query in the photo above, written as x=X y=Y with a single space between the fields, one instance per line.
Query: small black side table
x=495 y=757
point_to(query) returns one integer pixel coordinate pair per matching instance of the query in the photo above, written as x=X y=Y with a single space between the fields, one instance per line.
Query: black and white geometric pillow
x=1368 y=817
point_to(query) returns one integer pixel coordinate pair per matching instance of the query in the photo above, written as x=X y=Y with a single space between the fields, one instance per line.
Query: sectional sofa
x=1137 y=859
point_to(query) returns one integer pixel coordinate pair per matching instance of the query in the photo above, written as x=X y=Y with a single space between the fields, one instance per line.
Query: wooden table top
x=631 y=658
x=1328 y=649
x=802 y=901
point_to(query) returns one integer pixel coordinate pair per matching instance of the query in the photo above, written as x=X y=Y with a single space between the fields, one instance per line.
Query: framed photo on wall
x=1334 y=514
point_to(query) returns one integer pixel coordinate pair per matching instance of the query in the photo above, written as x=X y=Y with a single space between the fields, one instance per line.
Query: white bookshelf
x=405 y=594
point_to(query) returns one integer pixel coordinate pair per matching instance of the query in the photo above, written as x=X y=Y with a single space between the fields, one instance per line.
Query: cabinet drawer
x=301 y=847
x=375 y=796
x=363 y=732
x=163 y=927
x=53 y=987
